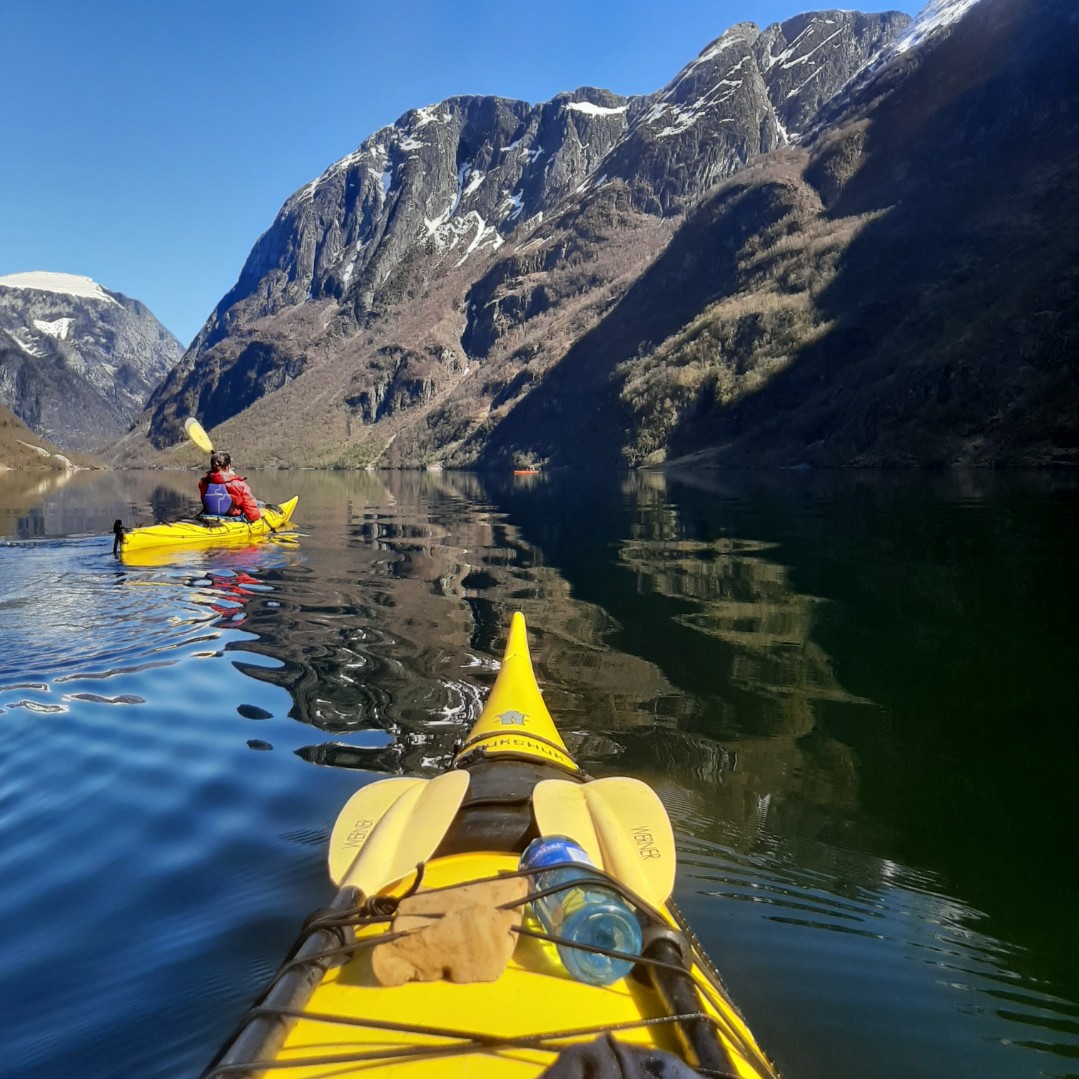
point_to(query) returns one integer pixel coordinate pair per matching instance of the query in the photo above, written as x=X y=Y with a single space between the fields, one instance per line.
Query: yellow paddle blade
x=381 y=837
x=560 y=809
x=358 y=818
x=635 y=834
x=624 y=819
x=197 y=433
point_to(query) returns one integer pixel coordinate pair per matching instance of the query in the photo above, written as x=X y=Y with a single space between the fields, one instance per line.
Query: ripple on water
x=842 y=926
x=128 y=792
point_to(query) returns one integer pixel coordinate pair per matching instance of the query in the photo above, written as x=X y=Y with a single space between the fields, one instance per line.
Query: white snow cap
x=46 y=281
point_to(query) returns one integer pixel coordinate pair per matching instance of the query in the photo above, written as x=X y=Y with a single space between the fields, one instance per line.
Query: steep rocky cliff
x=405 y=303
x=909 y=292
x=77 y=362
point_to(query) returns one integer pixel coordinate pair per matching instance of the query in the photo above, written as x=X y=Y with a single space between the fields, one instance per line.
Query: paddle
x=621 y=824
x=387 y=828
x=197 y=433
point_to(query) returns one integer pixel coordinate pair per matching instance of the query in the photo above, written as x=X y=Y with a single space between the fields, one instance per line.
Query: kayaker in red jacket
x=224 y=494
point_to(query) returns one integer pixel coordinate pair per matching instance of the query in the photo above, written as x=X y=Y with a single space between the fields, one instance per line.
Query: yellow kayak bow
x=434 y=845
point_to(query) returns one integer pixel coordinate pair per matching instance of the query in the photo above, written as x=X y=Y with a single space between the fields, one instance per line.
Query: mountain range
x=77 y=362
x=403 y=305
x=845 y=239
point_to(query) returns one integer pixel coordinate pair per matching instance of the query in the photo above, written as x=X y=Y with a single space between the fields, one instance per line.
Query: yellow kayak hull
x=208 y=531
x=326 y=1015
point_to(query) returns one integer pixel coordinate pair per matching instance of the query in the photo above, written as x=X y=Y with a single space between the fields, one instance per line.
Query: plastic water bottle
x=588 y=912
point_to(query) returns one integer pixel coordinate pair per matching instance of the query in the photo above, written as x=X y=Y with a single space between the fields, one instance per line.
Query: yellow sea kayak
x=431 y=961
x=204 y=531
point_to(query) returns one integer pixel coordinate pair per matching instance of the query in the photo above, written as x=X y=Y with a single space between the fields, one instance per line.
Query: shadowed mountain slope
x=901 y=289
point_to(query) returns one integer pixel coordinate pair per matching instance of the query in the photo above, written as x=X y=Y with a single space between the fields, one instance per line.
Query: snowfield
x=46 y=281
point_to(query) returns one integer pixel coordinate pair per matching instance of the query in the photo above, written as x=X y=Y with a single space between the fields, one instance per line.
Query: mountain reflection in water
x=851 y=691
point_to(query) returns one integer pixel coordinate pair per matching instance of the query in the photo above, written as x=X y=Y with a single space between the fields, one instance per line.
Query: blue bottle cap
x=552 y=850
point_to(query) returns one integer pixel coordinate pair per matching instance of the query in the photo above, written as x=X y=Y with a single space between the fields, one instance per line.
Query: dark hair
x=220 y=460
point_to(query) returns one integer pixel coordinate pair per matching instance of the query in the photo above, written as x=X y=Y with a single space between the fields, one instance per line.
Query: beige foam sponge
x=457 y=933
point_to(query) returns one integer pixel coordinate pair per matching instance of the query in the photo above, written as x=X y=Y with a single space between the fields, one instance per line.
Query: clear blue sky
x=148 y=143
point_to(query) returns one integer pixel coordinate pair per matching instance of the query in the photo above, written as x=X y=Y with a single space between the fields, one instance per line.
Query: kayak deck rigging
x=355 y=930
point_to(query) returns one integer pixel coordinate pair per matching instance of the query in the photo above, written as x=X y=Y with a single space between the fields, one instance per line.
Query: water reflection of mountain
x=386 y=622
x=24 y=501
x=952 y=602
x=748 y=603
x=917 y=714
x=394 y=618
x=40 y=506
x=751 y=789
x=391 y=622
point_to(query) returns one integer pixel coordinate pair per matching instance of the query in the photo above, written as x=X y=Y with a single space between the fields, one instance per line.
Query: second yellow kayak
x=204 y=531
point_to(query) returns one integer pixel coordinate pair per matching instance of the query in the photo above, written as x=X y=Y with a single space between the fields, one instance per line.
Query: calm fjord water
x=854 y=693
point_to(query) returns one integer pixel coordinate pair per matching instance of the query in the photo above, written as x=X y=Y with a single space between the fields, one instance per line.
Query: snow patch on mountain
x=429 y=114
x=743 y=34
x=446 y=232
x=432 y=225
x=59 y=328
x=590 y=109
x=474 y=181
x=788 y=58
x=469 y=179
x=486 y=236
x=512 y=205
x=937 y=15
x=31 y=348
x=805 y=56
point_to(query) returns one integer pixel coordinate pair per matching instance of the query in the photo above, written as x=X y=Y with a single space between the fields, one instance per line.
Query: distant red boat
x=526 y=471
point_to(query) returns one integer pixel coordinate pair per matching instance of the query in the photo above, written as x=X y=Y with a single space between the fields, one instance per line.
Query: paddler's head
x=220 y=461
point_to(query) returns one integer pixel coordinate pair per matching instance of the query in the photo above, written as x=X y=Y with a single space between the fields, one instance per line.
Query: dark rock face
x=407 y=379
x=805 y=58
x=77 y=363
x=962 y=294
x=901 y=289
x=481 y=194
x=452 y=178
